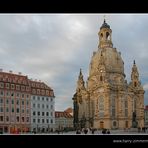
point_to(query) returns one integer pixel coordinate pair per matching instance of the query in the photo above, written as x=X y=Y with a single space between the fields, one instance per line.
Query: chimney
x=1 y=70
x=10 y=71
x=19 y=73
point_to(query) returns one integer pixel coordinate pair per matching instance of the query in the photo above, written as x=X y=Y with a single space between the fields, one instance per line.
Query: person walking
x=108 y=131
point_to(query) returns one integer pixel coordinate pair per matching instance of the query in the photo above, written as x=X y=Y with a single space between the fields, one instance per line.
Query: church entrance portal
x=101 y=124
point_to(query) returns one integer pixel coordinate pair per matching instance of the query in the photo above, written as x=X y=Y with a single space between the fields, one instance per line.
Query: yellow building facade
x=107 y=100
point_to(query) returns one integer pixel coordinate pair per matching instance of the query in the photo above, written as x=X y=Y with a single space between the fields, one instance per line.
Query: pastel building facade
x=17 y=94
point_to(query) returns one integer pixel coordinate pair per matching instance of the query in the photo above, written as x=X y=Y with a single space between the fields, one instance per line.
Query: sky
x=53 y=47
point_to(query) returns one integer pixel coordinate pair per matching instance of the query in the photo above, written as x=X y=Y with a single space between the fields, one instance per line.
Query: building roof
x=35 y=87
x=105 y=25
x=146 y=107
x=13 y=78
x=69 y=110
x=59 y=114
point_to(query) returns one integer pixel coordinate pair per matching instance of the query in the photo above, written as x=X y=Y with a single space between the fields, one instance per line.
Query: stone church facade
x=107 y=100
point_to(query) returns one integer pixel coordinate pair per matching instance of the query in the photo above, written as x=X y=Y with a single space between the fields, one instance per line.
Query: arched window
x=101 y=78
x=134 y=104
x=101 y=36
x=114 y=123
x=107 y=36
x=101 y=106
x=135 y=84
x=126 y=108
x=113 y=111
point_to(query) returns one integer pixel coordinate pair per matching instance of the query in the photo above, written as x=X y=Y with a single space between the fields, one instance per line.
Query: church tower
x=108 y=101
x=80 y=82
x=105 y=36
x=137 y=92
x=135 y=76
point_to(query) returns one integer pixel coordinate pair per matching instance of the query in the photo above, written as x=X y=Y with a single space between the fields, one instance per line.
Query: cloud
x=145 y=86
x=53 y=47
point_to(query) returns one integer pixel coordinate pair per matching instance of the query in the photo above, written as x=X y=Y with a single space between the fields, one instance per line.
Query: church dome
x=110 y=58
x=105 y=25
x=106 y=54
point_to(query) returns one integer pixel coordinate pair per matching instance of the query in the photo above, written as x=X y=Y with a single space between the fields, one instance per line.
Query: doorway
x=101 y=124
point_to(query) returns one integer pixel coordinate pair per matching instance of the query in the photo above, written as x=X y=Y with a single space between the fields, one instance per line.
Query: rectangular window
x=34 y=120
x=7 y=93
x=51 y=106
x=47 y=106
x=23 y=111
x=27 y=119
x=23 y=119
x=42 y=105
x=51 y=99
x=1 y=85
x=17 y=87
x=1 y=100
x=7 y=109
x=7 y=118
x=1 y=118
x=17 y=110
x=7 y=101
x=34 y=105
x=17 y=102
x=12 y=101
x=1 y=109
x=27 y=102
x=51 y=121
x=27 y=111
x=7 y=85
x=38 y=98
x=38 y=120
x=46 y=99
x=47 y=113
x=113 y=112
x=12 y=86
x=38 y=91
x=51 y=114
x=126 y=113
x=1 y=93
x=18 y=94
x=22 y=102
x=22 y=95
x=12 y=110
x=27 y=88
x=42 y=98
x=47 y=121
x=38 y=113
x=34 y=113
x=42 y=113
x=23 y=88
x=47 y=92
x=12 y=94
x=42 y=120
x=18 y=119
x=33 y=97
x=38 y=105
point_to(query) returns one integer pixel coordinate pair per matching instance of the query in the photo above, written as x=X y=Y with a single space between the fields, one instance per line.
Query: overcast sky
x=53 y=47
